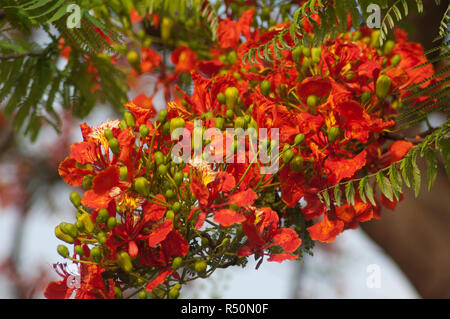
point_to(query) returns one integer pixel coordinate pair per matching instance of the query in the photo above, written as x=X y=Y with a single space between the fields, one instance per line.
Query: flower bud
x=144 y=130
x=239 y=122
x=133 y=58
x=112 y=222
x=87 y=222
x=174 y=293
x=221 y=98
x=312 y=102
x=177 y=261
x=123 y=173
x=162 y=170
x=114 y=145
x=141 y=186
x=231 y=97
x=129 y=119
x=306 y=52
x=288 y=155
x=299 y=138
x=75 y=198
x=86 y=183
x=175 y=123
x=232 y=57
x=69 y=229
x=118 y=293
x=365 y=97
x=396 y=60
x=388 y=47
x=176 y=207
x=333 y=133
x=219 y=122
x=64 y=237
x=169 y=194
x=200 y=268
x=124 y=261
x=108 y=134
x=79 y=250
x=296 y=163
x=63 y=251
x=162 y=115
x=375 y=38
x=170 y=215
x=297 y=54
x=101 y=237
x=178 y=178
x=159 y=158
x=316 y=54
x=383 y=86
x=229 y=114
x=96 y=254
x=142 y=294
x=265 y=87
x=166 y=28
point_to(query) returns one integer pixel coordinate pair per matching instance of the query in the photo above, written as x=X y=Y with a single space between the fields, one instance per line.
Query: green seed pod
x=333 y=133
x=129 y=119
x=63 y=251
x=114 y=145
x=163 y=170
x=79 y=250
x=159 y=158
x=219 y=122
x=365 y=97
x=176 y=207
x=75 y=198
x=123 y=173
x=64 y=237
x=176 y=264
x=299 y=138
x=87 y=222
x=296 y=163
x=316 y=54
x=265 y=87
x=200 y=268
x=221 y=98
x=239 y=122
x=108 y=134
x=162 y=115
x=396 y=60
x=124 y=261
x=86 y=183
x=288 y=155
x=141 y=186
x=175 y=123
x=297 y=54
x=383 y=86
x=231 y=97
x=174 y=293
x=388 y=47
x=144 y=130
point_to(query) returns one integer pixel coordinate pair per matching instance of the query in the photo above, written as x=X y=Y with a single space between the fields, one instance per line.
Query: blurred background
x=406 y=254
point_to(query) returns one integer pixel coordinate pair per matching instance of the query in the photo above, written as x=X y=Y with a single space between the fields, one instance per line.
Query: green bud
x=69 y=229
x=64 y=237
x=86 y=183
x=176 y=264
x=333 y=133
x=239 y=122
x=123 y=173
x=112 y=222
x=118 y=292
x=124 y=261
x=200 y=268
x=170 y=194
x=108 y=134
x=96 y=254
x=221 y=98
x=166 y=128
x=265 y=87
x=175 y=123
x=232 y=57
x=159 y=158
x=396 y=60
x=129 y=119
x=176 y=207
x=306 y=52
x=79 y=250
x=170 y=215
x=63 y=251
x=375 y=39
x=383 y=86
x=141 y=186
x=79 y=225
x=388 y=47
x=288 y=155
x=162 y=170
x=87 y=222
x=75 y=198
x=162 y=115
x=144 y=130
x=297 y=54
x=101 y=237
x=299 y=138
x=316 y=54
x=296 y=163
x=365 y=97
x=114 y=145
x=133 y=58
x=357 y=35
x=312 y=102
x=166 y=28
x=178 y=178
x=231 y=97
x=174 y=293
x=219 y=123
x=229 y=114
x=142 y=294
x=123 y=125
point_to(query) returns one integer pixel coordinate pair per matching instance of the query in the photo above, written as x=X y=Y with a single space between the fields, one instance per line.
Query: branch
x=415 y=140
x=19 y=55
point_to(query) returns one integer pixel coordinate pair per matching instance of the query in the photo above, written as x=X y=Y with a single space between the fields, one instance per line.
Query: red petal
x=281 y=257
x=133 y=249
x=58 y=290
x=288 y=239
x=71 y=174
x=153 y=212
x=158 y=280
x=160 y=233
x=326 y=230
x=341 y=168
x=228 y=217
x=244 y=198
x=84 y=152
x=175 y=245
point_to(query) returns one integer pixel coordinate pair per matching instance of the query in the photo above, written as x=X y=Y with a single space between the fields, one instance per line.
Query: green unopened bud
x=79 y=250
x=333 y=133
x=75 y=198
x=175 y=123
x=200 y=268
x=221 y=98
x=229 y=114
x=316 y=54
x=306 y=63
x=375 y=39
x=177 y=261
x=169 y=194
x=129 y=119
x=108 y=134
x=357 y=35
x=306 y=52
x=176 y=207
x=87 y=222
x=123 y=125
x=124 y=261
x=383 y=86
x=63 y=251
x=141 y=186
x=144 y=130
x=365 y=97
x=297 y=54
x=64 y=237
x=312 y=102
x=166 y=28
x=170 y=215
x=114 y=145
x=239 y=122
x=69 y=229
x=231 y=97
x=142 y=294
x=396 y=60
x=96 y=254
x=123 y=173
x=288 y=155
x=265 y=87
x=178 y=178
x=296 y=163
x=299 y=138
x=112 y=222
x=118 y=293
x=388 y=47
x=232 y=57
x=163 y=170
x=159 y=158
x=219 y=123
x=162 y=115
x=101 y=237
x=133 y=58
x=174 y=293
x=86 y=183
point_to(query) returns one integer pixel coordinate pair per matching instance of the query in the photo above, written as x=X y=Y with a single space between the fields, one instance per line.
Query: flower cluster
x=148 y=223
